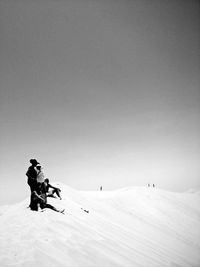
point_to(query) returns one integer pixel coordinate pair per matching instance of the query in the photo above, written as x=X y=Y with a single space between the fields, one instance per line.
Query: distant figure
x=40 y=174
x=50 y=193
x=148 y=185
x=101 y=188
x=153 y=185
x=32 y=176
x=40 y=201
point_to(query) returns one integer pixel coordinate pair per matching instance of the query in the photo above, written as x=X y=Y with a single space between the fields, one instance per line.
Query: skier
x=47 y=186
x=32 y=176
x=40 y=201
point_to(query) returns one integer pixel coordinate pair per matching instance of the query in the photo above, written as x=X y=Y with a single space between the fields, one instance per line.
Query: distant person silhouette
x=32 y=175
x=101 y=188
x=153 y=185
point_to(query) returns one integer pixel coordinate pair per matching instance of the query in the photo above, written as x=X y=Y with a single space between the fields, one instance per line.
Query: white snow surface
x=135 y=226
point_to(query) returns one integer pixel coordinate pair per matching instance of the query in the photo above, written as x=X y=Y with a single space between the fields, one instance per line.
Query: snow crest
x=131 y=227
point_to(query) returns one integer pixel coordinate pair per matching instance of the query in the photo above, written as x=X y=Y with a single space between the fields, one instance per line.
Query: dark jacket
x=32 y=178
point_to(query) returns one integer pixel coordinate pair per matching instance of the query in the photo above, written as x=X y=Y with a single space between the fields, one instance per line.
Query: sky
x=100 y=92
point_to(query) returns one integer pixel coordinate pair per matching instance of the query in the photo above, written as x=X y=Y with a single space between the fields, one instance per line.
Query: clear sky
x=100 y=92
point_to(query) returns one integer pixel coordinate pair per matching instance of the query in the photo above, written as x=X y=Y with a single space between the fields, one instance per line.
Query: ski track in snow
x=131 y=227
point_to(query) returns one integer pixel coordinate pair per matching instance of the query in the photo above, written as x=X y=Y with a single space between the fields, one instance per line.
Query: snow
x=130 y=227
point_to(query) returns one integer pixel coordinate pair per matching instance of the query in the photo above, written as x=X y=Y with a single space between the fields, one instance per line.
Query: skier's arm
x=29 y=176
x=53 y=187
x=38 y=196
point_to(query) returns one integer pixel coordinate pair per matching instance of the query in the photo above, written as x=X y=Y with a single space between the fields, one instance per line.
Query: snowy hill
x=131 y=227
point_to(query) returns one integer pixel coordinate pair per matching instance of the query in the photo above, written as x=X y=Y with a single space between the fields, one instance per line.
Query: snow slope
x=130 y=227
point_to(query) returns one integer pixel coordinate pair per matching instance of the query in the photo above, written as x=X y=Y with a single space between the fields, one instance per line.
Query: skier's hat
x=34 y=161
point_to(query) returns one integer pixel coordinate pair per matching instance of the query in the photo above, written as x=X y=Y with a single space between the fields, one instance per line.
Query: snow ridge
x=134 y=226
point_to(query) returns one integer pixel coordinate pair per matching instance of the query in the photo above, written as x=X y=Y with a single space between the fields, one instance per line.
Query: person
x=40 y=174
x=32 y=176
x=36 y=199
x=47 y=186
x=40 y=201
